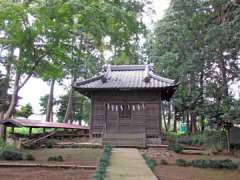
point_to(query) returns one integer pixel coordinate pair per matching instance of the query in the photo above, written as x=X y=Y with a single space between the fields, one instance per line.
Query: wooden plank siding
x=146 y=120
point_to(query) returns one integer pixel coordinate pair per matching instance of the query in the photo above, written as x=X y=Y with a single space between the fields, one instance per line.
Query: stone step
x=124 y=140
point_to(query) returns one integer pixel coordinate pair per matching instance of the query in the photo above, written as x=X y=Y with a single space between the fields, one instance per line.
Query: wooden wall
x=143 y=121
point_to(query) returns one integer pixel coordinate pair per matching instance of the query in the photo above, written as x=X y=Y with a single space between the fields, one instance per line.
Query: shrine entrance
x=125 y=118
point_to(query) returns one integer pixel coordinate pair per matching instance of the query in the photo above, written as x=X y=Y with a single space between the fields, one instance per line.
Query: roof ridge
x=160 y=78
x=134 y=67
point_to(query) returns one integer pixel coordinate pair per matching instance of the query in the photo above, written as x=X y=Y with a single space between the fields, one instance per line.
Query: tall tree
x=197 y=43
x=80 y=108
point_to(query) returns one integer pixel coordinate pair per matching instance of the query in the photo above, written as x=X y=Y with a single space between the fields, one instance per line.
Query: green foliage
x=150 y=162
x=29 y=157
x=192 y=140
x=50 y=143
x=202 y=163
x=65 y=38
x=194 y=45
x=25 y=111
x=80 y=108
x=43 y=103
x=11 y=155
x=172 y=136
x=25 y=131
x=3 y=92
x=215 y=140
x=174 y=146
x=56 y=158
x=183 y=162
x=163 y=162
x=103 y=163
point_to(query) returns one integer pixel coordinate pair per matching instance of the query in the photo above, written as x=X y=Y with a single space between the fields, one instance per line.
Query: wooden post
x=30 y=131
x=160 y=114
x=12 y=130
x=4 y=133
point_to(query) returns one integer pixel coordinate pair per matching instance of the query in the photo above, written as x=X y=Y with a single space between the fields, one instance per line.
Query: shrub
x=175 y=147
x=172 y=136
x=30 y=157
x=150 y=162
x=215 y=140
x=193 y=140
x=183 y=162
x=103 y=163
x=11 y=155
x=163 y=162
x=74 y=146
x=202 y=163
x=56 y=158
x=50 y=143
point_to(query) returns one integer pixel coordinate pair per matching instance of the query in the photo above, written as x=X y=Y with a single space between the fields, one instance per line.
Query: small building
x=126 y=102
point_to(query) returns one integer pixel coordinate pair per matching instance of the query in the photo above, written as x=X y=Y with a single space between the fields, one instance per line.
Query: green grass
x=25 y=131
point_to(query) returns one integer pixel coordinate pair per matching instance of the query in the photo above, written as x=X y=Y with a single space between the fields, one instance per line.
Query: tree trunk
x=1 y=126
x=50 y=103
x=224 y=77
x=188 y=122
x=160 y=115
x=164 y=118
x=202 y=123
x=169 y=115
x=81 y=110
x=174 y=120
x=69 y=107
x=14 y=97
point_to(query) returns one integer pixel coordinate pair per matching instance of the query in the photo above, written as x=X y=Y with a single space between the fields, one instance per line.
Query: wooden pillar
x=30 y=131
x=12 y=130
x=160 y=114
x=91 y=118
x=4 y=133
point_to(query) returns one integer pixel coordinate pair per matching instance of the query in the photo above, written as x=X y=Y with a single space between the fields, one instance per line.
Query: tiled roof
x=125 y=77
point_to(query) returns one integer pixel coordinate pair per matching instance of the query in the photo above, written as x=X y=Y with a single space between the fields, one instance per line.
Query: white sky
x=36 y=88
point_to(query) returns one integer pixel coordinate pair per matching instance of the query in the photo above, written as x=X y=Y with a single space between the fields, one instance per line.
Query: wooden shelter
x=126 y=102
x=16 y=123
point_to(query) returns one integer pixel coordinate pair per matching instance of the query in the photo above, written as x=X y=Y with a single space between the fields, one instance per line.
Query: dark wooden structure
x=126 y=103
x=70 y=130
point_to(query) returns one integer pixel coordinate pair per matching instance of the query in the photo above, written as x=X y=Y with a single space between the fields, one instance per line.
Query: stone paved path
x=128 y=164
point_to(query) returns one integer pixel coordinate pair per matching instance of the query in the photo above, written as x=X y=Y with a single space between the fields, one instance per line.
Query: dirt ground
x=44 y=174
x=71 y=156
x=170 y=156
x=174 y=172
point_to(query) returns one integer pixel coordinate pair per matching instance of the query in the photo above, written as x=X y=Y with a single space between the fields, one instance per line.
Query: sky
x=36 y=88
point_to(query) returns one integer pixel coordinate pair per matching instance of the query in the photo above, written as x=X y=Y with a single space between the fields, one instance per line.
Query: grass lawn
x=24 y=130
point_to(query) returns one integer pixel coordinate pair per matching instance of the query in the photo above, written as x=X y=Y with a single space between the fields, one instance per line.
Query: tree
x=25 y=111
x=80 y=110
x=194 y=44
x=44 y=104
